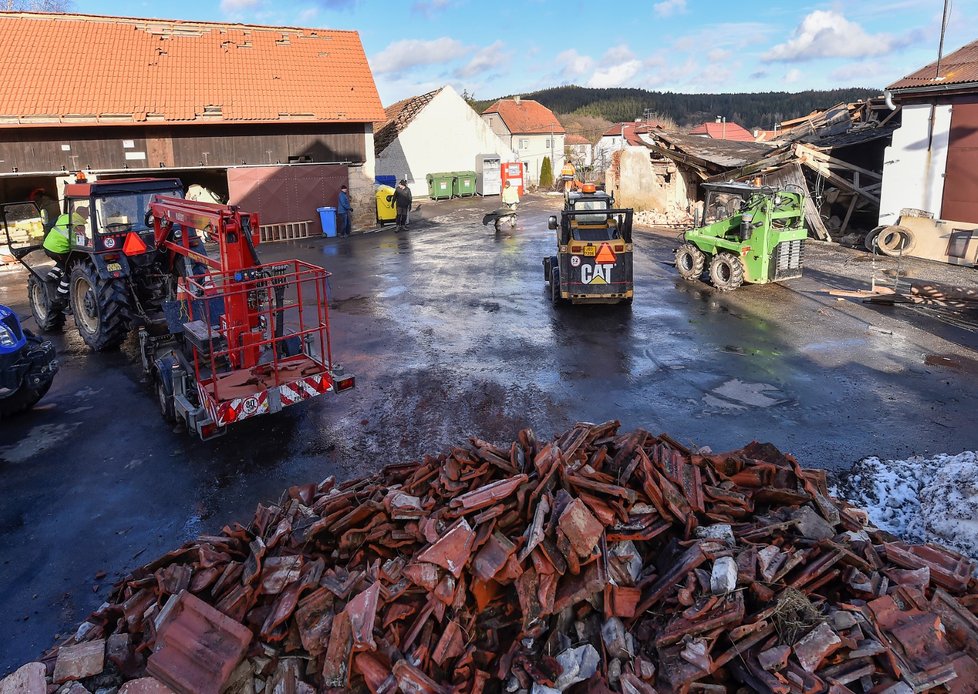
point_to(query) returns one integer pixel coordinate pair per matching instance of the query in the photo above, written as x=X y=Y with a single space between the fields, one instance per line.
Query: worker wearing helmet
x=57 y=246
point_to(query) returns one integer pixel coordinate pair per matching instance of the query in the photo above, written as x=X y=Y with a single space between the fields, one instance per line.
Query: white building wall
x=531 y=149
x=913 y=174
x=606 y=145
x=445 y=136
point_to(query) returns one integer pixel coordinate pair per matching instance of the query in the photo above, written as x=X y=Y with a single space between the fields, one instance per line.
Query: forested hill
x=761 y=110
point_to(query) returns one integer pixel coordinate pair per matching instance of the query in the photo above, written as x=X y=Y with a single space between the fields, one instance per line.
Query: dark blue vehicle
x=27 y=365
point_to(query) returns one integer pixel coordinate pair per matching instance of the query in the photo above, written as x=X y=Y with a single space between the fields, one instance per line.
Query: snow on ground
x=919 y=499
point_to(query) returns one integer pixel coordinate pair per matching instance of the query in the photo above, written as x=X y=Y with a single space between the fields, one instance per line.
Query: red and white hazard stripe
x=303 y=389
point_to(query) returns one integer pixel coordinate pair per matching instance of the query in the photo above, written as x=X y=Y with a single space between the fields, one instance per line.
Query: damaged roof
x=957 y=68
x=723 y=131
x=72 y=69
x=631 y=131
x=728 y=154
x=399 y=117
x=526 y=117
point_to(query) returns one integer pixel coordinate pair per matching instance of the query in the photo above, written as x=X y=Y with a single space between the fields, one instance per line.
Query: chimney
x=517 y=99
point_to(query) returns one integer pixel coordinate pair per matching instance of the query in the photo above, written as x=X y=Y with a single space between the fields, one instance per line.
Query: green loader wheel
x=726 y=272
x=690 y=261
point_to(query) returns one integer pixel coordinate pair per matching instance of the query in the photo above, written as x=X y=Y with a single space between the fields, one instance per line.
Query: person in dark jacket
x=343 y=211
x=402 y=203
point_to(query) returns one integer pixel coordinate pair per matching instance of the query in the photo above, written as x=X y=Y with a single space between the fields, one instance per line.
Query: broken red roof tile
x=197 y=647
x=452 y=551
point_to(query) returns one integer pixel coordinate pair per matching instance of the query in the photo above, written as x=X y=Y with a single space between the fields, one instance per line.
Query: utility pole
x=940 y=49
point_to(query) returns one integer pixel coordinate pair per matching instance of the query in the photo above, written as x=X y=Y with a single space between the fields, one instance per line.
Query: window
x=548 y=143
x=957 y=246
x=524 y=143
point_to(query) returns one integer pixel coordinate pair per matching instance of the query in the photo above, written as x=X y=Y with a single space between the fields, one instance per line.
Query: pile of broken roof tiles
x=597 y=561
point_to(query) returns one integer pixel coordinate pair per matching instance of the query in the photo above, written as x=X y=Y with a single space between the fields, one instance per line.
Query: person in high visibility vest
x=567 y=173
x=57 y=246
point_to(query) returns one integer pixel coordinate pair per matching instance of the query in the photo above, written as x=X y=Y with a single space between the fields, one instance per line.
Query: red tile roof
x=959 y=67
x=723 y=131
x=526 y=117
x=575 y=140
x=631 y=130
x=61 y=69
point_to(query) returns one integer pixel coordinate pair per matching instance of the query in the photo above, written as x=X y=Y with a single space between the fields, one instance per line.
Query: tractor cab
x=106 y=214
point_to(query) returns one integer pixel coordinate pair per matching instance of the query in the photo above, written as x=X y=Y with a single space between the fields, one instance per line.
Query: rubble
x=619 y=560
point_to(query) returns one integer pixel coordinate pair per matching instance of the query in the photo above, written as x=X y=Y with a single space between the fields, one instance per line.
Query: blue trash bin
x=327 y=216
x=386 y=180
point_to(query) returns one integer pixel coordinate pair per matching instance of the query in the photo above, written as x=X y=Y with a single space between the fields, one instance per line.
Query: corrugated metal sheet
x=960 y=202
x=959 y=67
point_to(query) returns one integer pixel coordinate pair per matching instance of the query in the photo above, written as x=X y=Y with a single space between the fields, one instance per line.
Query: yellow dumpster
x=385 y=205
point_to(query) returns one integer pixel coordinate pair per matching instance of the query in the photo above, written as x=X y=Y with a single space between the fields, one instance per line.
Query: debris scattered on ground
x=622 y=561
x=674 y=216
x=919 y=499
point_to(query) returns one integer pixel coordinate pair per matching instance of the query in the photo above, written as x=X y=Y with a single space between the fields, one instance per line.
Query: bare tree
x=36 y=5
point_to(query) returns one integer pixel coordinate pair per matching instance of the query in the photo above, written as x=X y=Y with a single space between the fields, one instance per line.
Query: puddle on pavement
x=37 y=440
x=740 y=395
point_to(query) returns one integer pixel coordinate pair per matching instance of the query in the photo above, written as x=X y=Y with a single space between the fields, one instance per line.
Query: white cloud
x=405 y=54
x=827 y=34
x=485 y=60
x=237 y=6
x=573 y=64
x=667 y=8
x=792 y=75
x=718 y=55
x=618 y=54
x=615 y=75
x=308 y=14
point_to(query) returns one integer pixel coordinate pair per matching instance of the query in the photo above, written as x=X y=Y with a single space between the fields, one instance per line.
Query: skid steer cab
x=745 y=233
x=593 y=264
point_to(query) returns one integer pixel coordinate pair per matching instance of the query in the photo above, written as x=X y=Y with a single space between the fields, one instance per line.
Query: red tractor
x=223 y=338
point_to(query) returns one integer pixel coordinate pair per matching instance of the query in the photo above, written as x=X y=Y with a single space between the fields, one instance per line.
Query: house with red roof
x=532 y=132
x=619 y=136
x=402 y=142
x=931 y=163
x=578 y=149
x=273 y=118
x=723 y=130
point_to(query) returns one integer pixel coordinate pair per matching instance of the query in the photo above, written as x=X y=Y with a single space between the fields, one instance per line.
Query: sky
x=492 y=48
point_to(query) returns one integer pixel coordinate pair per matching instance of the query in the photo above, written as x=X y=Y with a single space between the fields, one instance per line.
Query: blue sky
x=496 y=47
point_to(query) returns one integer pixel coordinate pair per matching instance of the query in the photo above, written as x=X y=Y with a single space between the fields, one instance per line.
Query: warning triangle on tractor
x=605 y=255
x=134 y=245
x=598 y=280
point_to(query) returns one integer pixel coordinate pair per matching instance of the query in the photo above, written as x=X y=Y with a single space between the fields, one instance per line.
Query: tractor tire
x=100 y=307
x=555 y=286
x=690 y=261
x=895 y=241
x=13 y=402
x=726 y=272
x=164 y=397
x=870 y=239
x=49 y=319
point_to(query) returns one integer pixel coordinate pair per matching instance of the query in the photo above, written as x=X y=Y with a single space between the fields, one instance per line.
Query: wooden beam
x=824 y=170
x=818 y=154
x=887 y=119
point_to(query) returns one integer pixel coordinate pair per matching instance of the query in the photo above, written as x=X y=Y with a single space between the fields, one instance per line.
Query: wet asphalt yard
x=450 y=332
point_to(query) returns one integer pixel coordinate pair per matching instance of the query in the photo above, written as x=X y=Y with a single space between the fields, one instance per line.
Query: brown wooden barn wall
x=102 y=148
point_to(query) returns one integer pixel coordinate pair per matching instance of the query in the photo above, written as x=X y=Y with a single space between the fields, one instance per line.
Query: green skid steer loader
x=745 y=233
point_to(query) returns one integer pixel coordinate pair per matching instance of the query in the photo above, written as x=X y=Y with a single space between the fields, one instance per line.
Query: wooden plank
x=827 y=173
x=792 y=173
x=818 y=154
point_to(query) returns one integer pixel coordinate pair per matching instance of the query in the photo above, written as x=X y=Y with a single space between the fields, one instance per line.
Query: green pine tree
x=546 y=174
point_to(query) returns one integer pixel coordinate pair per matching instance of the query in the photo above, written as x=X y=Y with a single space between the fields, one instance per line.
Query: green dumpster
x=464 y=184
x=441 y=185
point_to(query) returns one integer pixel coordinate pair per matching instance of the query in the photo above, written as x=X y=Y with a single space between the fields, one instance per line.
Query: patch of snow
x=919 y=499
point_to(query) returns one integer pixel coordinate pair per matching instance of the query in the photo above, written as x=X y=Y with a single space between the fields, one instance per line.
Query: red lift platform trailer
x=239 y=338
